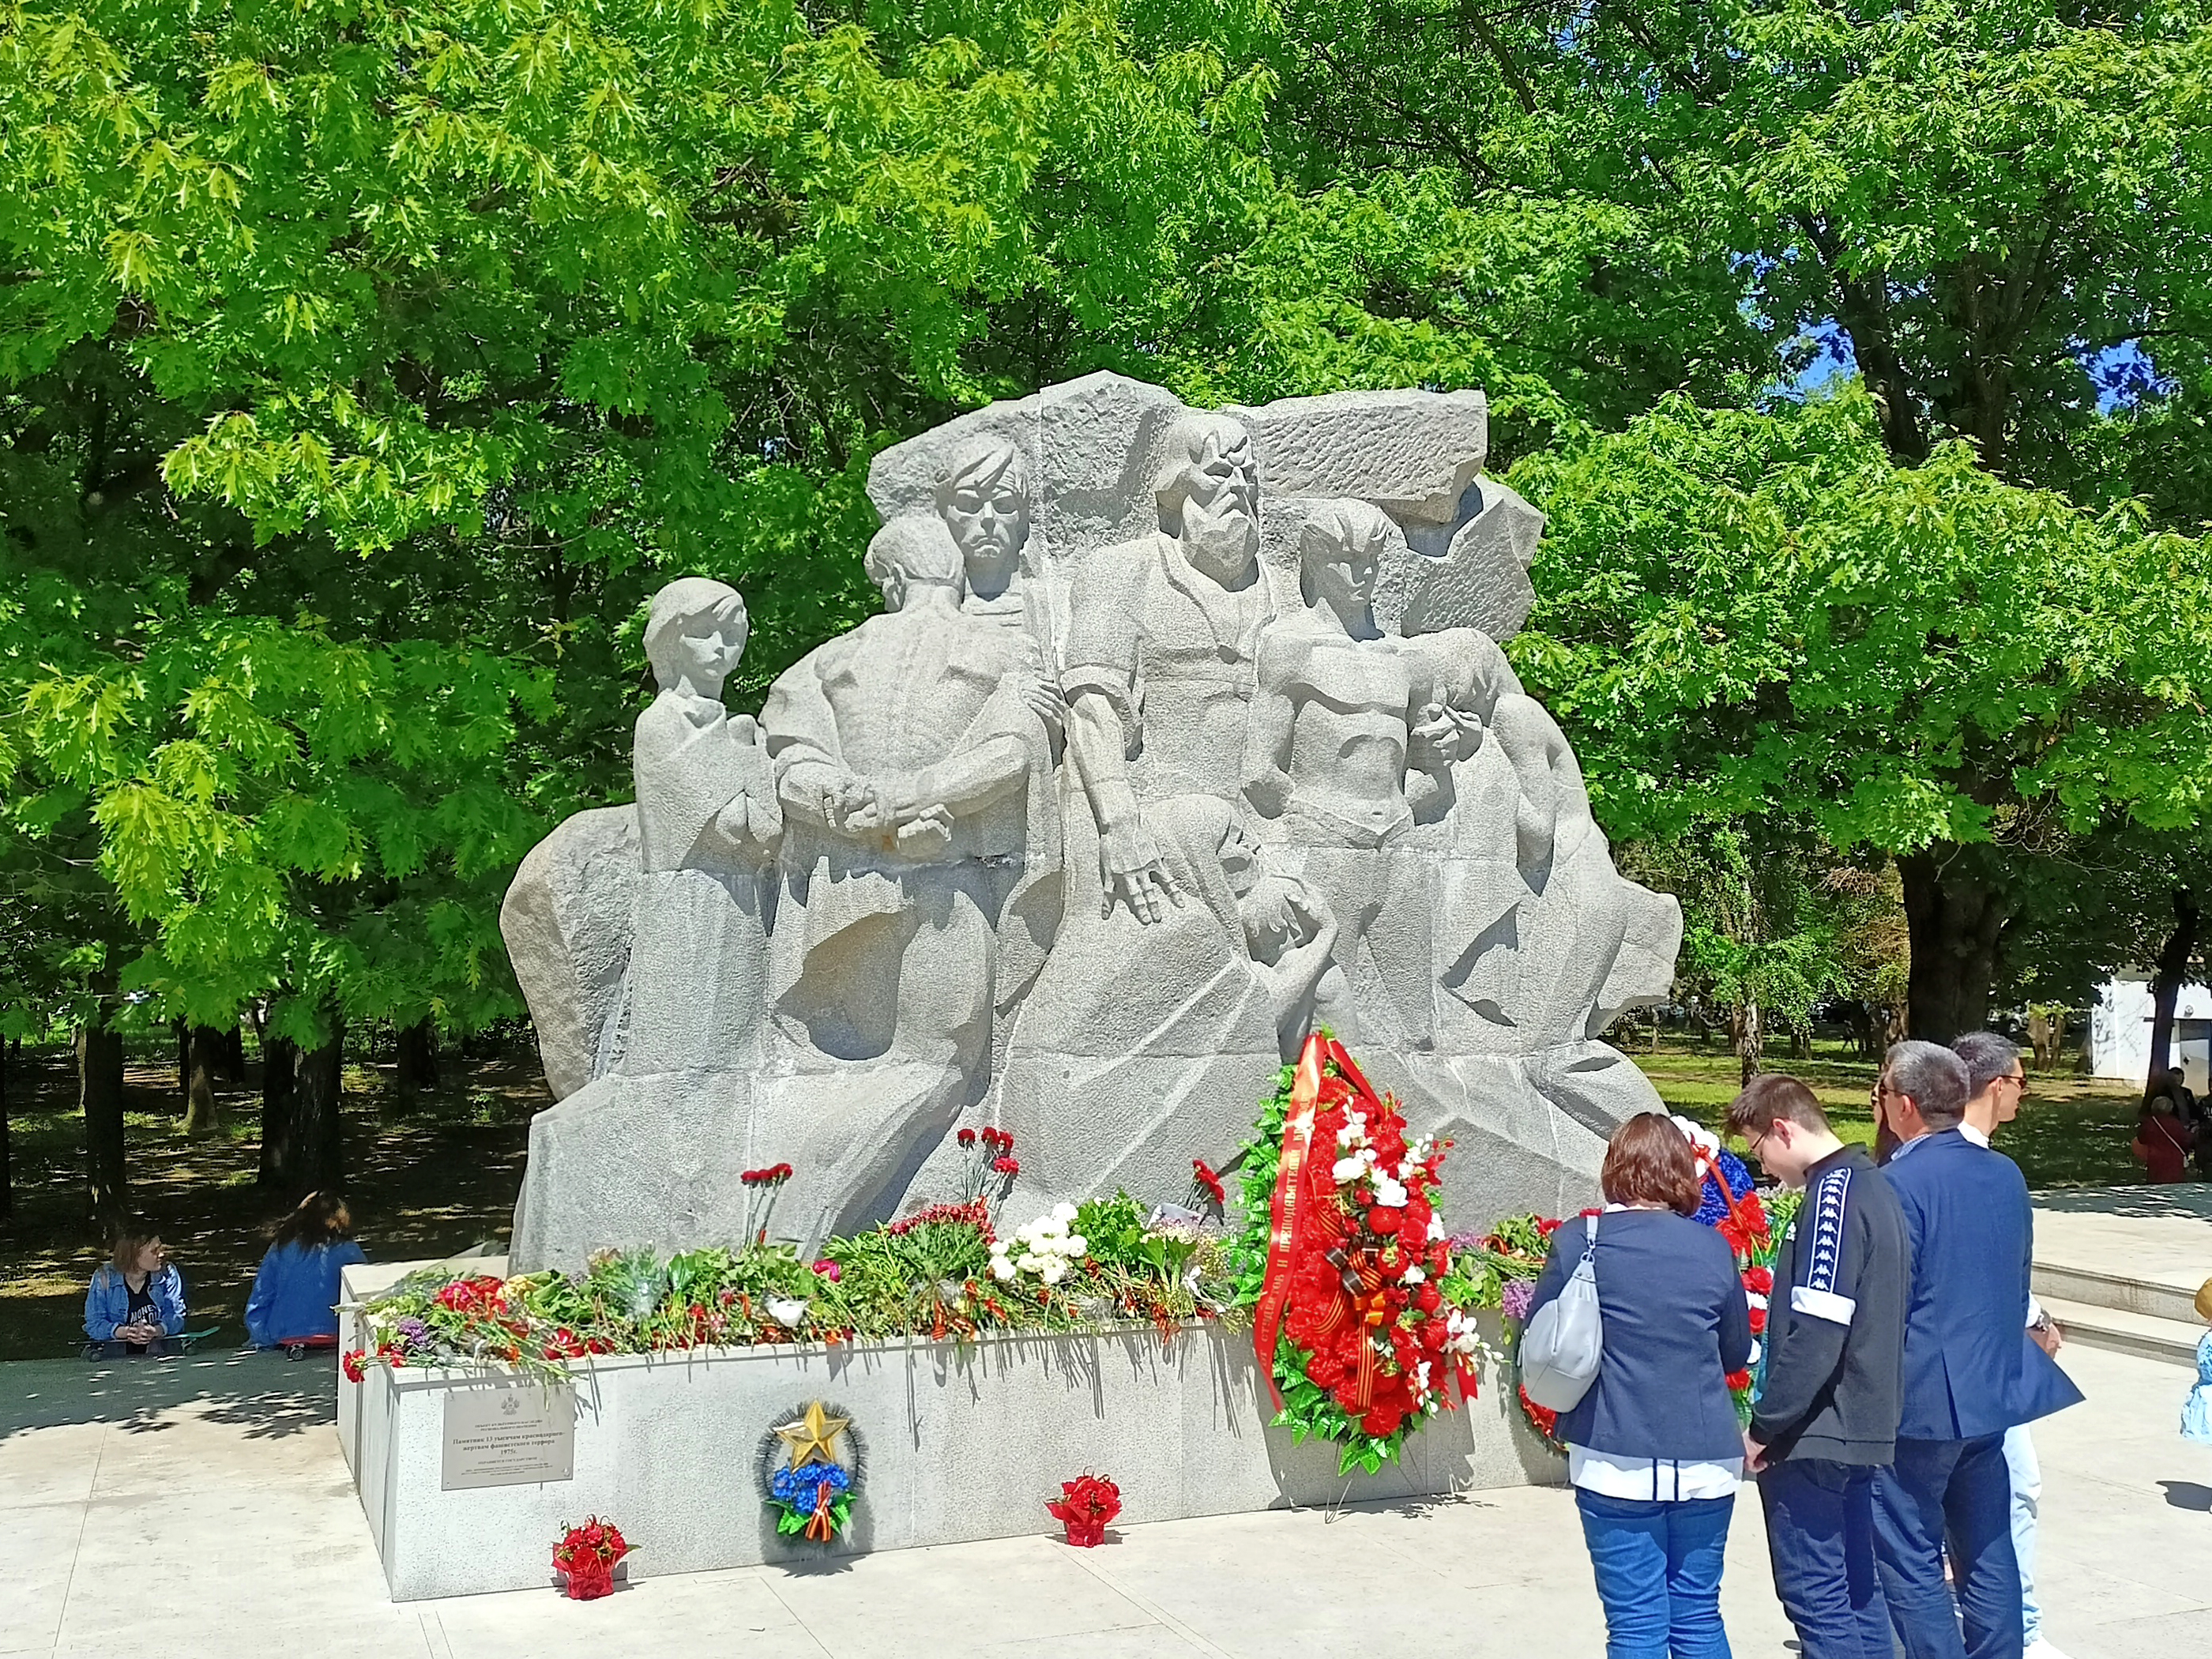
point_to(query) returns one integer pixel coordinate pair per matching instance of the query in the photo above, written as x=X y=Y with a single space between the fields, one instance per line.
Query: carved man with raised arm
x=1158 y=670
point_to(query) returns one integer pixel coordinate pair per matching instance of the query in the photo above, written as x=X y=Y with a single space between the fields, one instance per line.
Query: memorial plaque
x=508 y=1436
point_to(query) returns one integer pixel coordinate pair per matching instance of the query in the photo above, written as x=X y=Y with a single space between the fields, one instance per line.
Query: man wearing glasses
x=1995 y=1073
x=1970 y=1373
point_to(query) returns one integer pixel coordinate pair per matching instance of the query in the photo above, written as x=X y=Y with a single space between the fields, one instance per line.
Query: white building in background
x=2119 y=1032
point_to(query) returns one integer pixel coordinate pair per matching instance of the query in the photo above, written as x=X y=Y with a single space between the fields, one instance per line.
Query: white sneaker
x=2040 y=1649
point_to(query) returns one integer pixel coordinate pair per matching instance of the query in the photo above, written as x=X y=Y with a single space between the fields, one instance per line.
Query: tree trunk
x=417 y=1066
x=2166 y=986
x=280 y=1059
x=317 y=1127
x=203 y=1114
x=1749 y=1030
x=99 y=1096
x=182 y=1033
x=1956 y=915
x=8 y=1051
x=231 y=1055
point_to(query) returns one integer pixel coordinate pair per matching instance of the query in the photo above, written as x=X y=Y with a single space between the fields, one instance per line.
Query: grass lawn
x=440 y=1175
x=2073 y=1131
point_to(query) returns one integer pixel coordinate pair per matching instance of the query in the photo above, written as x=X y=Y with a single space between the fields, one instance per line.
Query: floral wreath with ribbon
x=1345 y=1262
x=812 y=1467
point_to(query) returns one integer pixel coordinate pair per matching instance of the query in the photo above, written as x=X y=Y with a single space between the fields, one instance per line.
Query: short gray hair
x=1986 y=1057
x=1932 y=1077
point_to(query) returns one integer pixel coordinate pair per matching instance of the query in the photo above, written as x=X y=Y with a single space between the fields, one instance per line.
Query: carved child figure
x=709 y=821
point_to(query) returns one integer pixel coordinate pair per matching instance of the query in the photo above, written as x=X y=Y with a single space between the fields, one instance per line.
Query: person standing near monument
x=1653 y=1450
x=1969 y=1374
x=1999 y=1081
x=1825 y=1420
x=1159 y=667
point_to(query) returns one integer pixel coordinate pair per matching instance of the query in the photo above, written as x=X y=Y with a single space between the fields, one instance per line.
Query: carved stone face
x=985 y=505
x=711 y=645
x=1221 y=515
x=1345 y=579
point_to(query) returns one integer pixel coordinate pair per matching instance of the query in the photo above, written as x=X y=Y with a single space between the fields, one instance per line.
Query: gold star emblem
x=811 y=1436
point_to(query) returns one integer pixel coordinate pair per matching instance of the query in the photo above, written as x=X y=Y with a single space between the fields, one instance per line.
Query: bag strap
x=1589 y=1246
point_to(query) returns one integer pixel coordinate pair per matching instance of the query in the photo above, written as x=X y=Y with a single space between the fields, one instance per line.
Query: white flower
x=1436 y=1233
x=1753 y=1360
x=1415 y=1276
x=1406 y=1169
x=1421 y=1377
x=1063 y=1213
x=1001 y=1269
x=1388 y=1194
x=1699 y=1136
x=1754 y=1298
x=787 y=1311
x=1077 y=1246
x=1347 y=1169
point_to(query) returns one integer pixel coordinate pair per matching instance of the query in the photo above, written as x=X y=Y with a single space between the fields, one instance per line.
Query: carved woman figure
x=708 y=823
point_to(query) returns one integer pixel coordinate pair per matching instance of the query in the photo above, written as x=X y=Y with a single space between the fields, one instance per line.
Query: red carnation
x=966 y=1137
x=350 y=1364
x=1757 y=1320
x=1383 y=1221
x=1738 y=1381
x=1005 y=1166
x=1760 y=1279
x=1208 y=1181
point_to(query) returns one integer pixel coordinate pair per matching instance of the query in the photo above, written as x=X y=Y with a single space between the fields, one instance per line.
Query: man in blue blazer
x=1971 y=1372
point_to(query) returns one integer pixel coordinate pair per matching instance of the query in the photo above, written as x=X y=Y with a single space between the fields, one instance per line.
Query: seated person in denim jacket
x=136 y=1302
x=293 y=1303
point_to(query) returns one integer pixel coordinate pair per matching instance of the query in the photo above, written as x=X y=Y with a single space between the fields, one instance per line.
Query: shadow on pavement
x=2190 y=1199
x=266 y=1393
x=2187 y=1495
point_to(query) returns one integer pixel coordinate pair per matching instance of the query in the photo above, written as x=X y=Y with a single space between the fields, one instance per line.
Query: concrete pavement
x=201 y=1507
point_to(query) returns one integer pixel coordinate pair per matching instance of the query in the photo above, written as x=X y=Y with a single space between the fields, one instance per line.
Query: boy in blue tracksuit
x=1826 y=1419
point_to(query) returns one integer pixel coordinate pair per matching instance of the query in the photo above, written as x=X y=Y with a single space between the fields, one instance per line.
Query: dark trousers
x=1956 y=1493
x=1658 y=1570
x=1820 y=1535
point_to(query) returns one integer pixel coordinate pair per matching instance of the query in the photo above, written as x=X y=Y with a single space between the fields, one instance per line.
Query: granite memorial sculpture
x=1181 y=733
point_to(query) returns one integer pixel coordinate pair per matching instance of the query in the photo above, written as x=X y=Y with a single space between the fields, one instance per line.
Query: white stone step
x=2098 y=1288
x=2143 y=1335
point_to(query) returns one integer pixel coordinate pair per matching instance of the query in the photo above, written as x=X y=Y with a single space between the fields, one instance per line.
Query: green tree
x=1760 y=617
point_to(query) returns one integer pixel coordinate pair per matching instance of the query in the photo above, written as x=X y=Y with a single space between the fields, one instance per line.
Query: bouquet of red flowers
x=587 y=1555
x=1084 y=1507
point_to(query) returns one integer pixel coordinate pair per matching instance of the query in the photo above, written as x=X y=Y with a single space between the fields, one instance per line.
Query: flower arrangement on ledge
x=942 y=1272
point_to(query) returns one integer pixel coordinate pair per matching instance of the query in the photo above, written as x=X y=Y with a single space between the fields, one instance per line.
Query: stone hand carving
x=1180 y=733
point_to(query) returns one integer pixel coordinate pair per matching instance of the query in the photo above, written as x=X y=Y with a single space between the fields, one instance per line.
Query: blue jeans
x=1658 y=1568
x=1954 y=1493
x=1820 y=1536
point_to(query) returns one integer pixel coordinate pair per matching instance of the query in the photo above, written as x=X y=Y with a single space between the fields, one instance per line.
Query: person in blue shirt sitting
x=294 y=1301
x=136 y=1302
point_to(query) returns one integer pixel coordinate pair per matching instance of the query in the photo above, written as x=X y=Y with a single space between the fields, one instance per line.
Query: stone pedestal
x=963 y=1443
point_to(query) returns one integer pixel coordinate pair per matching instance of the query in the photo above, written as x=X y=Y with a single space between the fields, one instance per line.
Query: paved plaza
x=201 y=1507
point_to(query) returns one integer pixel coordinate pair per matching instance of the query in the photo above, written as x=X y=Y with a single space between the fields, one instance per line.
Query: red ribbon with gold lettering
x=1285 y=1216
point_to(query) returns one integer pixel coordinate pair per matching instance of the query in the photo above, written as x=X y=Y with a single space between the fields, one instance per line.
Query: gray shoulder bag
x=1564 y=1343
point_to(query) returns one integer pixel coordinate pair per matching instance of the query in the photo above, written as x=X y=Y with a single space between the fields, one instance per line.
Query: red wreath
x=1354 y=1262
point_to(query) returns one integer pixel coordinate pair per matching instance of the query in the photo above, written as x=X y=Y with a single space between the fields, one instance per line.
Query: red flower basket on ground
x=586 y=1555
x=1084 y=1507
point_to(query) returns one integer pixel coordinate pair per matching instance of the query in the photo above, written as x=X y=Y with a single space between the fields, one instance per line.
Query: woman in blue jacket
x=1654 y=1450
x=136 y=1302
x=294 y=1301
